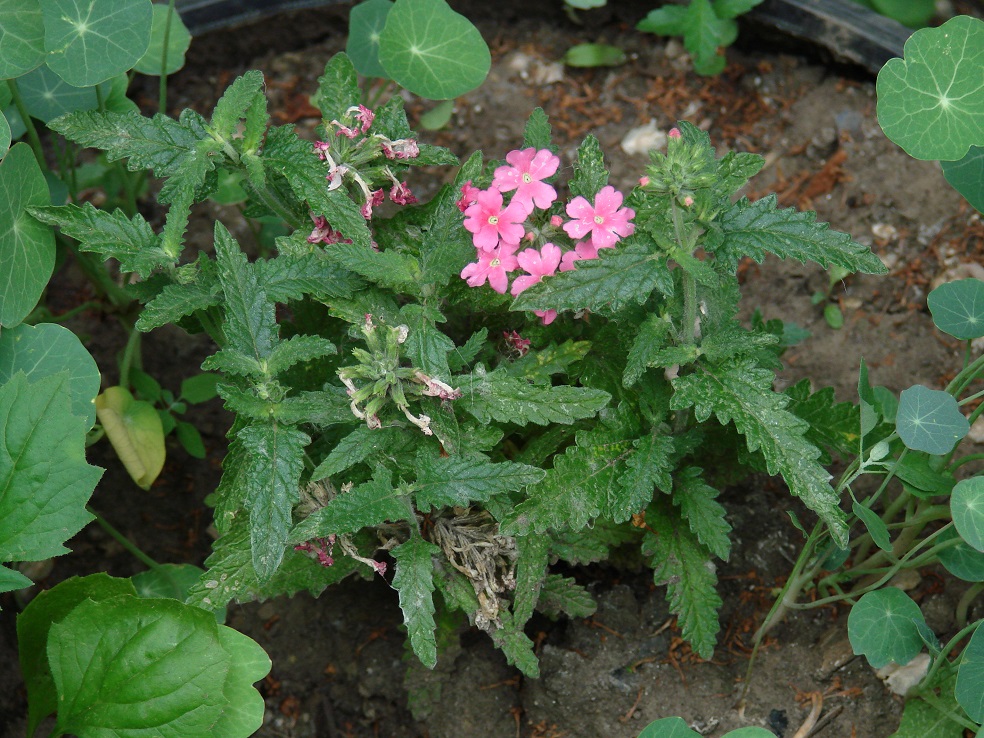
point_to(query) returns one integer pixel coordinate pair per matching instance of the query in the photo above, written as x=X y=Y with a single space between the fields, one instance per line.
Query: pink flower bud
x=556 y=221
x=674 y=133
x=643 y=181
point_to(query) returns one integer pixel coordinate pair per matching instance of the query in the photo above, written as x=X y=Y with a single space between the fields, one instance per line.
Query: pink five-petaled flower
x=606 y=221
x=525 y=173
x=489 y=222
x=492 y=266
x=469 y=196
x=538 y=264
x=583 y=250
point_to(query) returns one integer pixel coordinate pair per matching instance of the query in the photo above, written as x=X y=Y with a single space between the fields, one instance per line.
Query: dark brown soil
x=339 y=662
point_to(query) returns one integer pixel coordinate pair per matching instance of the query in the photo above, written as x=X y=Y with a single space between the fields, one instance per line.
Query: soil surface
x=339 y=662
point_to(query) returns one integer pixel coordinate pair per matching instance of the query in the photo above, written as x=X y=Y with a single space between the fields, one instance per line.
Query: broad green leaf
x=414 y=580
x=140 y=666
x=912 y=13
x=462 y=480
x=245 y=707
x=741 y=392
x=112 y=235
x=45 y=482
x=495 y=396
x=134 y=428
x=4 y=135
x=367 y=504
x=190 y=439
x=583 y=483
x=929 y=420
x=199 y=387
x=755 y=228
x=46 y=349
x=671 y=727
x=275 y=459
x=834 y=426
x=881 y=627
x=46 y=95
x=230 y=574
x=590 y=174
x=87 y=43
x=930 y=102
x=958 y=308
x=431 y=50
x=172 y=581
x=164 y=57
x=366 y=23
x=705 y=515
x=627 y=274
x=21 y=37
x=562 y=595
x=874 y=525
x=11 y=580
x=960 y=559
x=594 y=55
x=970 y=678
x=50 y=607
x=967 y=508
x=921 y=719
x=27 y=248
x=966 y=176
x=684 y=566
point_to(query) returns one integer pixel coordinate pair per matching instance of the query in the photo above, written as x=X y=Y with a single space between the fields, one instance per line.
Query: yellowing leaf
x=134 y=428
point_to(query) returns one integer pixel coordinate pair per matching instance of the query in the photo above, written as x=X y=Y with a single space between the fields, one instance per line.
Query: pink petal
x=580 y=208
x=544 y=164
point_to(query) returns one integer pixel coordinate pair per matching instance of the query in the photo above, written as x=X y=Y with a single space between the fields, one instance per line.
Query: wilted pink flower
x=403 y=148
x=489 y=222
x=525 y=173
x=344 y=130
x=583 y=250
x=606 y=221
x=321 y=148
x=401 y=195
x=364 y=116
x=324 y=233
x=492 y=266
x=519 y=344
x=538 y=264
x=469 y=196
x=375 y=200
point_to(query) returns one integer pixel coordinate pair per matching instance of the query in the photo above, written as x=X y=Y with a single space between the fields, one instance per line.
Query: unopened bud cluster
x=686 y=168
x=381 y=379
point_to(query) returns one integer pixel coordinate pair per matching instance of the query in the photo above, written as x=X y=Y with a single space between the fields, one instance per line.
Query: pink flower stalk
x=538 y=264
x=525 y=173
x=403 y=148
x=469 y=196
x=606 y=221
x=492 y=266
x=400 y=194
x=490 y=222
x=583 y=250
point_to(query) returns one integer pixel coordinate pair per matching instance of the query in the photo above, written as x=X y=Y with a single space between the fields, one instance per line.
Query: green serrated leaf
x=536 y=133
x=741 y=392
x=516 y=646
x=627 y=274
x=582 y=484
x=354 y=448
x=297 y=349
x=590 y=174
x=414 y=580
x=461 y=480
x=465 y=354
x=707 y=517
x=274 y=461
x=834 y=426
x=27 y=248
x=593 y=544
x=531 y=569
x=755 y=228
x=562 y=595
x=540 y=365
x=112 y=235
x=338 y=86
x=426 y=347
x=684 y=566
x=447 y=247
x=648 y=470
x=385 y=268
x=496 y=396
x=43 y=472
x=367 y=504
x=649 y=341
x=235 y=101
x=176 y=301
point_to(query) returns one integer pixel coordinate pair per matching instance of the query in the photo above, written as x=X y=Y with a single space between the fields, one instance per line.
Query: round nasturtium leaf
x=930 y=102
x=671 y=727
x=912 y=13
x=21 y=38
x=46 y=349
x=178 y=41
x=882 y=627
x=46 y=95
x=929 y=420
x=366 y=23
x=958 y=308
x=89 y=41
x=433 y=51
x=967 y=509
x=27 y=247
x=134 y=428
x=970 y=677
x=961 y=560
x=966 y=176
x=4 y=135
x=594 y=55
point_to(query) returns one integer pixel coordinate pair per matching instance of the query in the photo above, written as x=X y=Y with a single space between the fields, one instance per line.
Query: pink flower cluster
x=499 y=229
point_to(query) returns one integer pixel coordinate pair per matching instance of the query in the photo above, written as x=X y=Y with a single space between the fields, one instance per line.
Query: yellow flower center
x=527 y=178
x=495 y=262
x=493 y=219
x=599 y=220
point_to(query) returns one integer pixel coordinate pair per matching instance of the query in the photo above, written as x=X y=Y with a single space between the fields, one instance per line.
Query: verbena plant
x=397 y=403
